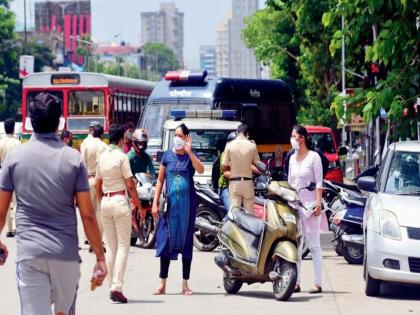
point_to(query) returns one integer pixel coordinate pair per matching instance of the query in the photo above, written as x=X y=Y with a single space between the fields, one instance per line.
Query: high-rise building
x=242 y=62
x=71 y=18
x=208 y=59
x=165 y=26
x=222 y=47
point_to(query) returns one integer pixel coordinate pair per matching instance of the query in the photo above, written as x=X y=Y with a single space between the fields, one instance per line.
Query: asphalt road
x=342 y=283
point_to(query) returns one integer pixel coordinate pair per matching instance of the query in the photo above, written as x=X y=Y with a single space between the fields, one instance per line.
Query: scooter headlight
x=389 y=225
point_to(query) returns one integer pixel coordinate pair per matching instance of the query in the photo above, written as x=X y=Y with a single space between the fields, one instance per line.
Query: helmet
x=231 y=136
x=140 y=139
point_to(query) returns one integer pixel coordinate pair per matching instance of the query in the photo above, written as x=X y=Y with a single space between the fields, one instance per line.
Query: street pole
x=24 y=23
x=377 y=122
x=343 y=80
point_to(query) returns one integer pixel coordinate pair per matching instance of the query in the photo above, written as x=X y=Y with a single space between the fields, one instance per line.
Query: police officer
x=239 y=157
x=140 y=161
x=7 y=144
x=90 y=134
x=113 y=181
x=91 y=152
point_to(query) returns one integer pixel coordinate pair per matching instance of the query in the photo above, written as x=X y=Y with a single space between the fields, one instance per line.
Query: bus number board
x=57 y=79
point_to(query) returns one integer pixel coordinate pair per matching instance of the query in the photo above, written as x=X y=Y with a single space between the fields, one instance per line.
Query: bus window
x=32 y=95
x=86 y=103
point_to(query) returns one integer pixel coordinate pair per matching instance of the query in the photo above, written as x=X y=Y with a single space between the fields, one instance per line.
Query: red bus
x=88 y=97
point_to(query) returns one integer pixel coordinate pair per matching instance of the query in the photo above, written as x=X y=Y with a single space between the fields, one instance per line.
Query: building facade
x=242 y=62
x=72 y=19
x=165 y=26
x=222 y=47
x=208 y=59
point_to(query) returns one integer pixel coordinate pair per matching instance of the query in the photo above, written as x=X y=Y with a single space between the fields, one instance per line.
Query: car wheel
x=372 y=286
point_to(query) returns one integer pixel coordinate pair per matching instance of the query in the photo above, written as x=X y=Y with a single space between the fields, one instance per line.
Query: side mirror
x=159 y=155
x=261 y=167
x=367 y=183
x=342 y=151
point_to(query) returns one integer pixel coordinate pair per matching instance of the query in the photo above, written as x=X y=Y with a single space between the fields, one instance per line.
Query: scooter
x=211 y=208
x=261 y=250
x=144 y=230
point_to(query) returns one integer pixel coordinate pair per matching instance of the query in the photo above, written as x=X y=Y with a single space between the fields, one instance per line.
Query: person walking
x=305 y=166
x=66 y=138
x=91 y=153
x=6 y=145
x=176 y=225
x=140 y=161
x=48 y=262
x=114 y=181
x=240 y=156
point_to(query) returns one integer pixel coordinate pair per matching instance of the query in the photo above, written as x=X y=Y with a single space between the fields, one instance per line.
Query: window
x=404 y=174
x=323 y=141
x=82 y=123
x=86 y=103
x=32 y=95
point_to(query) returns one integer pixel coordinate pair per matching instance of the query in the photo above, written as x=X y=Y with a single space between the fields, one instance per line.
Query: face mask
x=294 y=143
x=129 y=134
x=179 y=143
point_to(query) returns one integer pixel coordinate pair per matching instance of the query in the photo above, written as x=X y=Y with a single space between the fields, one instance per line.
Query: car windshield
x=404 y=174
x=324 y=142
x=206 y=143
x=156 y=114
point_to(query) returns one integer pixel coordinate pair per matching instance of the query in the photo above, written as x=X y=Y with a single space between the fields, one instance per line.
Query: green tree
x=396 y=50
x=8 y=62
x=158 y=59
x=288 y=36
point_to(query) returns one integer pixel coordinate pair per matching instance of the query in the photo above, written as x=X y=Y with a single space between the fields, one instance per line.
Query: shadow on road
x=142 y=302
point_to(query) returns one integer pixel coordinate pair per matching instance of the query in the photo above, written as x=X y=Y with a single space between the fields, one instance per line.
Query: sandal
x=159 y=291
x=316 y=290
x=186 y=292
x=297 y=289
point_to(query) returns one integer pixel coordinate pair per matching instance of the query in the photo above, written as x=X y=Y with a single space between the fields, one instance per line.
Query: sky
x=110 y=18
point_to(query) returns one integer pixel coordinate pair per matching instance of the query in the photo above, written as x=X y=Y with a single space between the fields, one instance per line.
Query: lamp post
x=92 y=44
x=24 y=23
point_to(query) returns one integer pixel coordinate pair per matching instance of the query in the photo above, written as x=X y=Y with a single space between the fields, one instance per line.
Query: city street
x=343 y=290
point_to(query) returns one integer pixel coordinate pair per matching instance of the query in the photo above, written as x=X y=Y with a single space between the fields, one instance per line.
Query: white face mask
x=294 y=143
x=179 y=143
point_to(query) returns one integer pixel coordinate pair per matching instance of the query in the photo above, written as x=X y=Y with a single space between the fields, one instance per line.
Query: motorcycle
x=144 y=230
x=261 y=249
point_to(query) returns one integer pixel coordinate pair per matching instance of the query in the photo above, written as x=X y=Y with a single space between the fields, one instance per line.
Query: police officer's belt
x=239 y=178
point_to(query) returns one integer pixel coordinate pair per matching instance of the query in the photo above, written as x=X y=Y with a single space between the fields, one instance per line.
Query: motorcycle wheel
x=232 y=286
x=353 y=255
x=133 y=239
x=203 y=241
x=148 y=232
x=283 y=287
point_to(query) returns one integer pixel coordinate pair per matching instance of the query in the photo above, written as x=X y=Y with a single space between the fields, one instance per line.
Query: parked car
x=323 y=138
x=391 y=222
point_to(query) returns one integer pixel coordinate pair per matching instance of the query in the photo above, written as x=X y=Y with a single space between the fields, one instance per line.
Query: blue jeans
x=224 y=194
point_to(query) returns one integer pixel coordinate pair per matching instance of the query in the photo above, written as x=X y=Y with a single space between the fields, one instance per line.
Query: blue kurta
x=176 y=228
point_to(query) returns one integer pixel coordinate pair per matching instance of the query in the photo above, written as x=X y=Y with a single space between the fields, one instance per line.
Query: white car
x=391 y=221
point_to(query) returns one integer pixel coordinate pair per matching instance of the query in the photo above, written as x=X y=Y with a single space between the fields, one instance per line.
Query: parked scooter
x=144 y=230
x=260 y=250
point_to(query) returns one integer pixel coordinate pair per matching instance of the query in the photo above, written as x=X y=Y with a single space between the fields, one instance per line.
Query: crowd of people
x=99 y=183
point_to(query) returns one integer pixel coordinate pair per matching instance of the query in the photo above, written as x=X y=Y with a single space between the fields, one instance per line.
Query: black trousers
x=164 y=267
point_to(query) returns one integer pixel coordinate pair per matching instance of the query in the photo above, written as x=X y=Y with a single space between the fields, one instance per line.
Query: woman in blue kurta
x=176 y=226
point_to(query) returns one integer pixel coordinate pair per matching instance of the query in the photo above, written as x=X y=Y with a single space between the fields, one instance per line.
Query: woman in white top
x=305 y=166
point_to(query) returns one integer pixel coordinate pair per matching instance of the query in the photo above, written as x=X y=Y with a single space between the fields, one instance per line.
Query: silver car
x=392 y=219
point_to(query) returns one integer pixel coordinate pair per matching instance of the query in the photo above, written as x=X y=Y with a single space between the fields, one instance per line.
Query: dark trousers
x=164 y=268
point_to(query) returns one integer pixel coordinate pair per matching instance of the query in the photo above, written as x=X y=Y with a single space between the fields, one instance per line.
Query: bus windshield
x=89 y=103
x=324 y=142
x=155 y=116
x=31 y=95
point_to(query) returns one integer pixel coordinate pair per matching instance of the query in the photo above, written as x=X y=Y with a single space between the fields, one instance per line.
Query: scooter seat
x=259 y=201
x=248 y=222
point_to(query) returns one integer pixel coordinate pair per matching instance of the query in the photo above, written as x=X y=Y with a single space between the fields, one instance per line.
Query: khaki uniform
x=6 y=144
x=113 y=168
x=91 y=151
x=240 y=154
